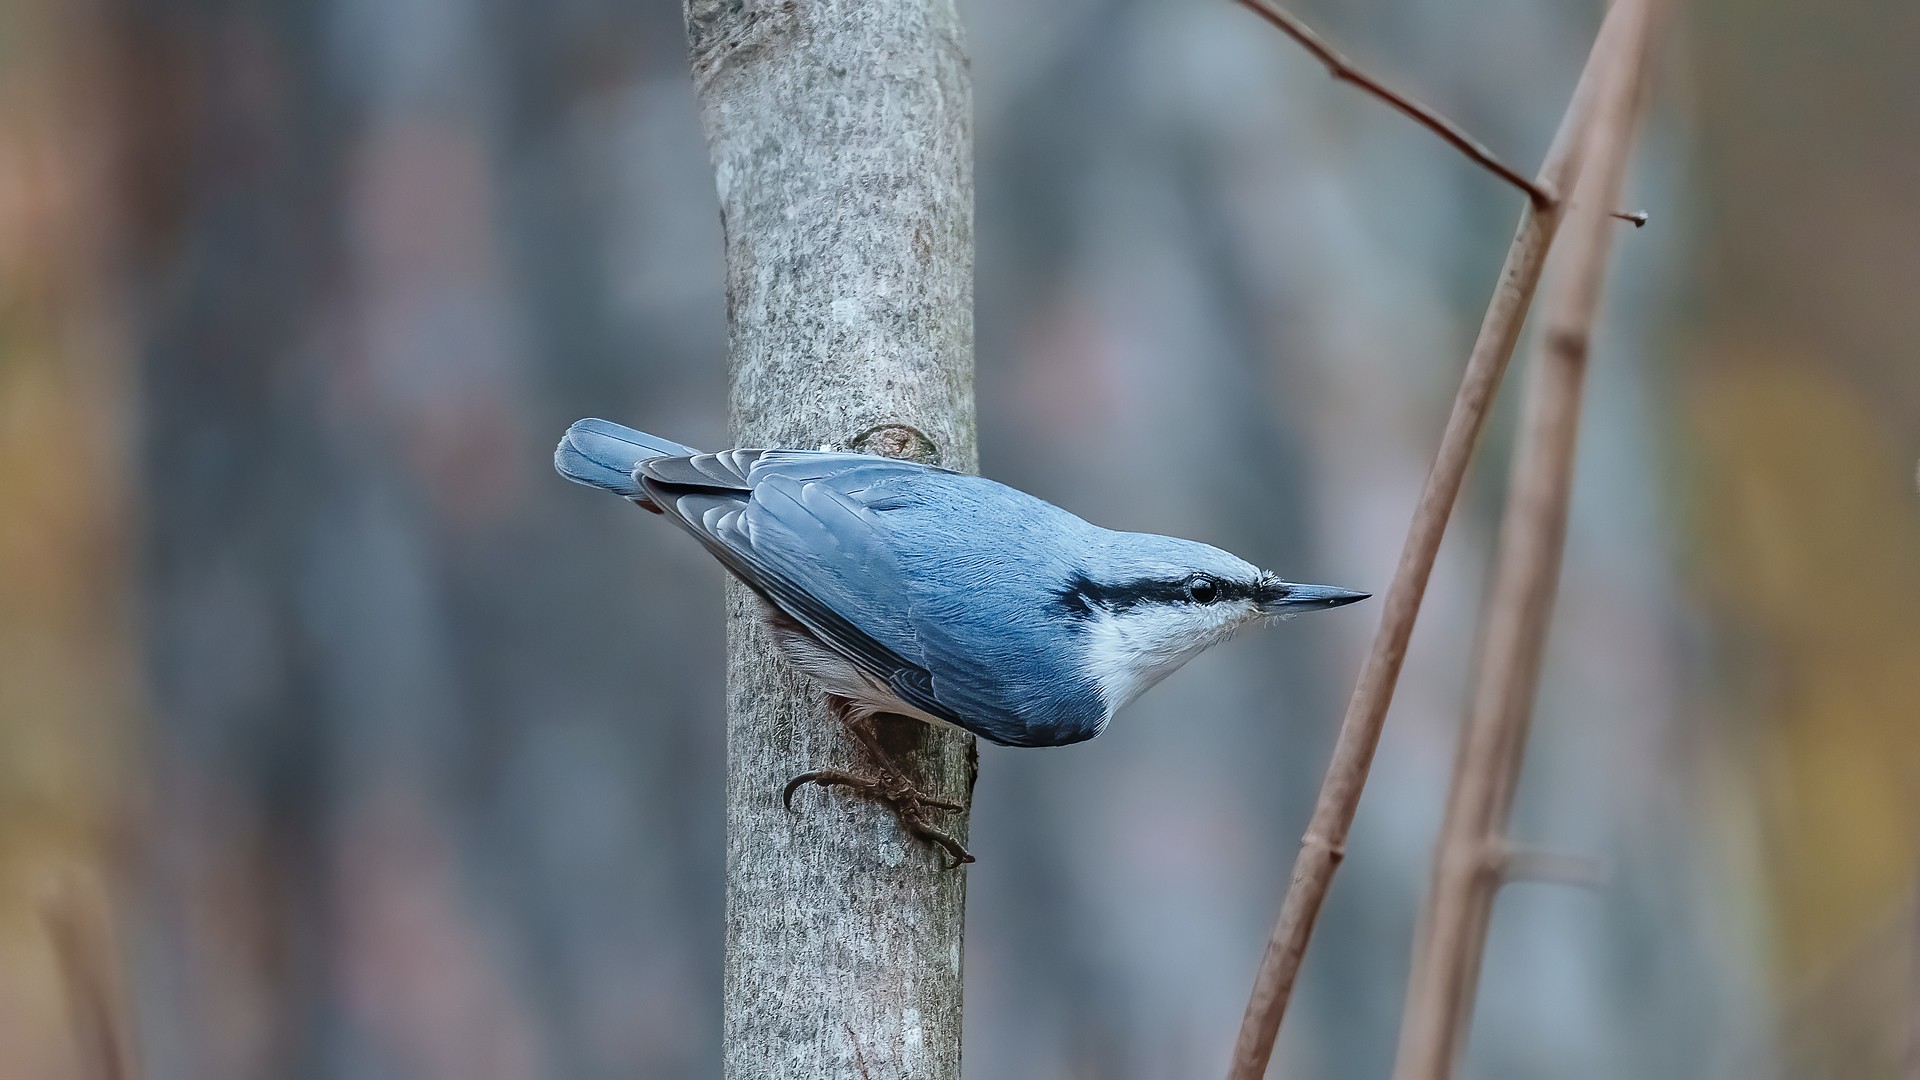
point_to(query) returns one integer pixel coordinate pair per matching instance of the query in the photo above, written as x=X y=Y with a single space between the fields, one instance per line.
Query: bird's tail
x=603 y=454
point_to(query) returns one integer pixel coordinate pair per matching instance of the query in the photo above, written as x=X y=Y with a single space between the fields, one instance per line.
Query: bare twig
x=1343 y=69
x=1449 y=948
x=1913 y=999
x=1324 y=843
x=80 y=931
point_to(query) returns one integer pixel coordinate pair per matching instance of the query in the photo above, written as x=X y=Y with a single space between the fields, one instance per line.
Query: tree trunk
x=841 y=140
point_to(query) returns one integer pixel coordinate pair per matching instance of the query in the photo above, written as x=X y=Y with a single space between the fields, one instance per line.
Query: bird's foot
x=909 y=804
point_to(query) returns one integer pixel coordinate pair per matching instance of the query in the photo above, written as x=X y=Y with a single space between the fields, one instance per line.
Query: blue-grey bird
x=917 y=591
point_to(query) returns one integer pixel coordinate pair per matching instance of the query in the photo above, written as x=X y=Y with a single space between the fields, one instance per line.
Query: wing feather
x=802 y=546
x=840 y=542
x=726 y=471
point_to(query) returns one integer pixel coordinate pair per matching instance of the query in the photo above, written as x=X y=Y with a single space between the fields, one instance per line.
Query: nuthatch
x=912 y=590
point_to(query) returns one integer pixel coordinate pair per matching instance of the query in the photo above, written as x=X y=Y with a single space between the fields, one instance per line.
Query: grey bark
x=841 y=141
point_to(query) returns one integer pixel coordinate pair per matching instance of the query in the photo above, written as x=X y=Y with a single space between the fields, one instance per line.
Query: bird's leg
x=909 y=803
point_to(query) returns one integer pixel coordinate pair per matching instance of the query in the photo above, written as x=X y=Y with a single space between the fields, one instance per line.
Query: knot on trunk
x=897 y=441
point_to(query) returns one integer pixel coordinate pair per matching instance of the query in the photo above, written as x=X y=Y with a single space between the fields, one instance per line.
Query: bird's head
x=1151 y=603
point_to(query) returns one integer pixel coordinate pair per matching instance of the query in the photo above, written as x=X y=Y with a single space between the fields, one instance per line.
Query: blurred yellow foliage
x=1809 y=534
x=65 y=685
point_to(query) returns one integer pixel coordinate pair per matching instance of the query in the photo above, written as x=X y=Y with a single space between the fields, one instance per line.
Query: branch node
x=1344 y=70
x=1318 y=841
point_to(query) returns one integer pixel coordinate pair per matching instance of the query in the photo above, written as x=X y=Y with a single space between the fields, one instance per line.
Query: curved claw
x=908 y=804
x=825 y=778
x=793 y=785
x=960 y=855
x=911 y=816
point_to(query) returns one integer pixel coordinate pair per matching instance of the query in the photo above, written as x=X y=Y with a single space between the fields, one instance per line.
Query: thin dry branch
x=1539 y=191
x=1913 y=998
x=1324 y=843
x=1343 y=69
x=1447 y=955
x=79 y=927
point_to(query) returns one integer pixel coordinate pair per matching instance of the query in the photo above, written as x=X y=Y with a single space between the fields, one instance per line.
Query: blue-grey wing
x=793 y=542
x=832 y=540
x=804 y=545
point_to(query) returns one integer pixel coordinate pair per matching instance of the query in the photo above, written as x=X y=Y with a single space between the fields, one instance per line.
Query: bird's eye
x=1202 y=589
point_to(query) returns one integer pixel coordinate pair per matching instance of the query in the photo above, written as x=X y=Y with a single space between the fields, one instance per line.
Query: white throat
x=1126 y=653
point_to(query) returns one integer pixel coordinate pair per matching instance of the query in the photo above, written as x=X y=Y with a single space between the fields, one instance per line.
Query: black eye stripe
x=1082 y=594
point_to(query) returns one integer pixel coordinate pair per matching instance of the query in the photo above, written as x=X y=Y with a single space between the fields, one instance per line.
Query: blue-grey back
x=957 y=579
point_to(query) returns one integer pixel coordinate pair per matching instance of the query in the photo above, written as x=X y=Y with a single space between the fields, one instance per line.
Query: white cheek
x=1128 y=653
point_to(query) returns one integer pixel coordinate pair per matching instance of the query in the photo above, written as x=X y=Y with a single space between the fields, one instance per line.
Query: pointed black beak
x=1285 y=598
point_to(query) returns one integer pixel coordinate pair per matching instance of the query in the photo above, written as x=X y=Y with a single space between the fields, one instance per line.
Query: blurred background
x=366 y=747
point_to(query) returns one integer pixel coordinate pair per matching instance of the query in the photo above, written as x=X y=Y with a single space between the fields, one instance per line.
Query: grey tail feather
x=604 y=454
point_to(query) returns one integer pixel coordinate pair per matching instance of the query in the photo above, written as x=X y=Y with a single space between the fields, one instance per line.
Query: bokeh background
x=369 y=748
